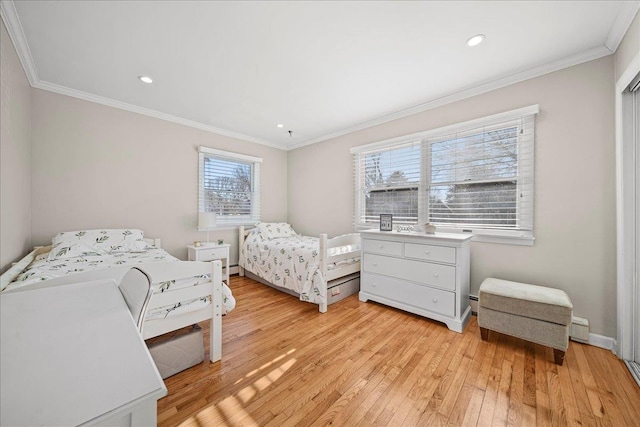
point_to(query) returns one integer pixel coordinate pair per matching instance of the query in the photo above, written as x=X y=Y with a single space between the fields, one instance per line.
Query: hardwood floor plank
x=472 y=413
x=557 y=404
x=529 y=391
x=285 y=364
x=501 y=413
x=579 y=389
x=597 y=407
x=573 y=417
x=516 y=388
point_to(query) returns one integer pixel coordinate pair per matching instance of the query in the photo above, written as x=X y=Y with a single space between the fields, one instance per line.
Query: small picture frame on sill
x=386 y=222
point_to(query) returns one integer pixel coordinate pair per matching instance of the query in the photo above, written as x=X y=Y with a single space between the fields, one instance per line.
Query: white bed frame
x=158 y=272
x=325 y=260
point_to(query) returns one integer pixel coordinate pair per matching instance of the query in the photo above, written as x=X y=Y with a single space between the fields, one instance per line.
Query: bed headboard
x=243 y=232
x=153 y=242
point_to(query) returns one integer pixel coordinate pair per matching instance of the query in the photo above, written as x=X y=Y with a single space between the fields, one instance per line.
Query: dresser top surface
x=416 y=235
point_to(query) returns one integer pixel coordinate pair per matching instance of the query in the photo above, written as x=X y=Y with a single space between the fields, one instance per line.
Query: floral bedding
x=289 y=262
x=42 y=268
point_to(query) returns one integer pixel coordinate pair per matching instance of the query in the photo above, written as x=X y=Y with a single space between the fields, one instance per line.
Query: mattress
x=42 y=269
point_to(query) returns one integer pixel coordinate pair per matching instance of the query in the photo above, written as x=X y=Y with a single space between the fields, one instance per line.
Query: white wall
x=574 y=185
x=15 y=155
x=96 y=166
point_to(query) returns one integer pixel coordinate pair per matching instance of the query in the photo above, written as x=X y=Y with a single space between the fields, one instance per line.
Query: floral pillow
x=274 y=230
x=71 y=244
x=71 y=250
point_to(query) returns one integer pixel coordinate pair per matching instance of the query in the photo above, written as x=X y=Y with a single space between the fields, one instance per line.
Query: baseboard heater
x=579 y=329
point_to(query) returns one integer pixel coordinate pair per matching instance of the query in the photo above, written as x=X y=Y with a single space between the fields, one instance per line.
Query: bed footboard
x=166 y=271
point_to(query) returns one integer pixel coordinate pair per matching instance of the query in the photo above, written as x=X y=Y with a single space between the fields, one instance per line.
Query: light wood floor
x=283 y=363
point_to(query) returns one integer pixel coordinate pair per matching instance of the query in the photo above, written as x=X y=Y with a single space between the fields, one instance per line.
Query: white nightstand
x=211 y=253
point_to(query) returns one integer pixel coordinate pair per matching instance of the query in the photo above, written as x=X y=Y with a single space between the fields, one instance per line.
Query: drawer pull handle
x=374 y=284
x=375 y=264
x=427 y=252
x=436 y=275
x=435 y=300
x=381 y=246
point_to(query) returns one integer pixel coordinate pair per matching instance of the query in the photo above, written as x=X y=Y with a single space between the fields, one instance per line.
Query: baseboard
x=233 y=269
x=601 y=341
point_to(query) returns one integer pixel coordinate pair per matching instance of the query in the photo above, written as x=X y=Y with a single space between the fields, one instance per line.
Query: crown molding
x=550 y=67
x=63 y=90
x=14 y=28
x=16 y=33
x=621 y=25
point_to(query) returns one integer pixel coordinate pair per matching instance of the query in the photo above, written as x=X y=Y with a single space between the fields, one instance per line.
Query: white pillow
x=71 y=250
x=70 y=244
x=275 y=230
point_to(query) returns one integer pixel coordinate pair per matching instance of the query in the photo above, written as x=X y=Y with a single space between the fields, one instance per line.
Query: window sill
x=504 y=240
x=229 y=226
x=502 y=237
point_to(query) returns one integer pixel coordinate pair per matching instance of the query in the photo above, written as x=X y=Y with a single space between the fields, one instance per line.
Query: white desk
x=71 y=355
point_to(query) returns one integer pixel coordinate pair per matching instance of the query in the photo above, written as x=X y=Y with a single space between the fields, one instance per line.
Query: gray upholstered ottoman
x=534 y=313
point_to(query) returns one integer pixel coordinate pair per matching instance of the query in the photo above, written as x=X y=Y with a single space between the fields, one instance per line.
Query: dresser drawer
x=422 y=297
x=430 y=252
x=382 y=247
x=210 y=254
x=441 y=276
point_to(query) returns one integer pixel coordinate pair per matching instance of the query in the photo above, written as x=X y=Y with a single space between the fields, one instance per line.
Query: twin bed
x=184 y=292
x=317 y=270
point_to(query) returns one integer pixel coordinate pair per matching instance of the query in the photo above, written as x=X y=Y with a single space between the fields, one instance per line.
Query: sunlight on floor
x=231 y=408
x=266 y=365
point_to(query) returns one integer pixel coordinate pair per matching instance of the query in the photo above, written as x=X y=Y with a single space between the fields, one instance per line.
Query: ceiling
x=321 y=69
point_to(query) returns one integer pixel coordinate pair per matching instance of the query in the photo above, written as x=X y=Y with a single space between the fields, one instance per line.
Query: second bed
x=318 y=270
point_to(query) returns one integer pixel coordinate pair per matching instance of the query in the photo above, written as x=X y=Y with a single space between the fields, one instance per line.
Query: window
x=229 y=185
x=474 y=177
x=392 y=179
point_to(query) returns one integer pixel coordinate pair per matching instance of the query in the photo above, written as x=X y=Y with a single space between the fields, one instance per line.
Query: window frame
x=523 y=234
x=227 y=221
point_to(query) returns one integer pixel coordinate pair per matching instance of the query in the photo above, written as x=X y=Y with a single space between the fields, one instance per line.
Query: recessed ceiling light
x=475 y=40
x=280 y=125
x=145 y=79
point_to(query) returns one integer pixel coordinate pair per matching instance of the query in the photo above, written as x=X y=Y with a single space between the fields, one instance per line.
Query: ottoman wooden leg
x=484 y=333
x=558 y=356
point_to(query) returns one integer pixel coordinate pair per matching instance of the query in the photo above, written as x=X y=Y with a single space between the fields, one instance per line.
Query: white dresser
x=425 y=274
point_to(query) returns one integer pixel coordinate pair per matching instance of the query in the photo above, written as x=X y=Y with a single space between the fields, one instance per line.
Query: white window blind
x=390 y=183
x=229 y=185
x=478 y=178
x=474 y=177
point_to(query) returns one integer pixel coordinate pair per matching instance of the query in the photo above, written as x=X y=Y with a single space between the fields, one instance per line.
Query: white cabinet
x=211 y=253
x=425 y=274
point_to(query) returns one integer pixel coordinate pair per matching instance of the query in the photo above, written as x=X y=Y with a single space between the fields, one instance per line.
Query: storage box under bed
x=178 y=350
